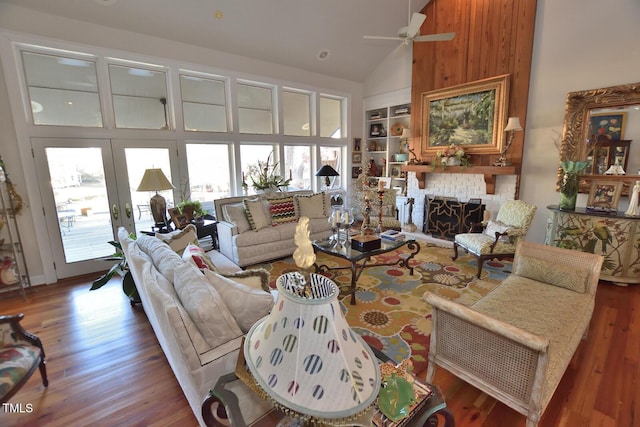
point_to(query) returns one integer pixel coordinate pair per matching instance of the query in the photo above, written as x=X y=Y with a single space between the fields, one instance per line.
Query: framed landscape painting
x=472 y=115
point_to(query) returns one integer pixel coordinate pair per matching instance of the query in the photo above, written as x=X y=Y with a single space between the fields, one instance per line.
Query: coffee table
x=231 y=403
x=358 y=260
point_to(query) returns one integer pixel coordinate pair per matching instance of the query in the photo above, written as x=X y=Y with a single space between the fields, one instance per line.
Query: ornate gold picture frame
x=472 y=115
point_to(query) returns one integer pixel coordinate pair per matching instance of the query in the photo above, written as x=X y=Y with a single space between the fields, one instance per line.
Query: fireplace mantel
x=489 y=172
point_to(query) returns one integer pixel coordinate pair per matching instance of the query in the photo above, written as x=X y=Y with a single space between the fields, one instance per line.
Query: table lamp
x=327 y=171
x=305 y=357
x=155 y=180
x=513 y=125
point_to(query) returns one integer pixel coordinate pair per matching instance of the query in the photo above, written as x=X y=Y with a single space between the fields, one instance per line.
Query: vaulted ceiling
x=286 y=32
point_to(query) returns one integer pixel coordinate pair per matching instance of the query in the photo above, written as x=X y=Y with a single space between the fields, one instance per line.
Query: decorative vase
x=568 y=191
x=453 y=161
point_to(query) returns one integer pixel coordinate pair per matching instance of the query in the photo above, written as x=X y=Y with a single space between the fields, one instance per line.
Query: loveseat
x=253 y=229
x=199 y=305
x=516 y=343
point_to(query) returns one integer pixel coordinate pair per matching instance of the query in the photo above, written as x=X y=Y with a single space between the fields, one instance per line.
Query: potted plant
x=191 y=208
x=121 y=268
x=265 y=176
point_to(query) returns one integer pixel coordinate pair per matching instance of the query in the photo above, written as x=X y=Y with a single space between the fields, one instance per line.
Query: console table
x=614 y=235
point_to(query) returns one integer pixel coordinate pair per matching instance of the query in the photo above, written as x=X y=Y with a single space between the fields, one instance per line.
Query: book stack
x=393 y=235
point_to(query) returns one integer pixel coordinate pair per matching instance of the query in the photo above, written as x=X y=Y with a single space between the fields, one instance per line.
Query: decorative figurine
x=633 y=201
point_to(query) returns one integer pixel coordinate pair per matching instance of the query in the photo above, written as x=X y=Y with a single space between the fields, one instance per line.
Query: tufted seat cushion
x=480 y=244
x=17 y=362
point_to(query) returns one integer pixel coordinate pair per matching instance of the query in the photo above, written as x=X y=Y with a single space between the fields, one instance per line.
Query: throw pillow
x=237 y=214
x=550 y=273
x=282 y=210
x=179 y=239
x=256 y=214
x=246 y=304
x=311 y=206
x=205 y=306
x=257 y=278
x=494 y=227
x=197 y=256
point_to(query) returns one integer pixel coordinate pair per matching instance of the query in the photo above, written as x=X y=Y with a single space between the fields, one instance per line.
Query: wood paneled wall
x=493 y=37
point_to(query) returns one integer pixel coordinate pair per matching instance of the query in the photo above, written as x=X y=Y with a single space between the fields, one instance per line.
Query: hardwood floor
x=106 y=368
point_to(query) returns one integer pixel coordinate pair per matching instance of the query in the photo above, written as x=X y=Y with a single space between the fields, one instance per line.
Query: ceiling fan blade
x=381 y=38
x=414 y=25
x=435 y=37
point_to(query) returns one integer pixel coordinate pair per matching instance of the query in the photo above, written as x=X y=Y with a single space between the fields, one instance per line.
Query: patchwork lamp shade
x=327 y=171
x=156 y=180
x=307 y=359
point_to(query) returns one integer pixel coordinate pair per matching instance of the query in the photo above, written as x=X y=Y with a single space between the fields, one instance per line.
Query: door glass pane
x=139 y=97
x=297 y=163
x=62 y=91
x=249 y=157
x=80 y=194
x=209 y=176
x=330 y=117
x=203 y=104
x=138 y=160
x=296 y=115
x=331 y=156
x=255 y=109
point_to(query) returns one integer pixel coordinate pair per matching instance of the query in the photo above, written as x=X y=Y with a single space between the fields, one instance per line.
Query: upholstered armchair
x=20 y=354
x=497 y=239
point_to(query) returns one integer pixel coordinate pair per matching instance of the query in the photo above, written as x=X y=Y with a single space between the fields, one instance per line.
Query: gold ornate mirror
x=584 y=141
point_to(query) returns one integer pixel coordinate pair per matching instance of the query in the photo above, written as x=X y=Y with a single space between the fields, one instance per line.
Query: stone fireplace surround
x=462 y=186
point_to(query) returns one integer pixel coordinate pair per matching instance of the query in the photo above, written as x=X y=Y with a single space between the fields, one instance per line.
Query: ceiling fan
x=409 y=33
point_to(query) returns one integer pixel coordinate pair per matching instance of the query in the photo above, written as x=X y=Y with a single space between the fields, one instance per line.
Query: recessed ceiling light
x=323 y=54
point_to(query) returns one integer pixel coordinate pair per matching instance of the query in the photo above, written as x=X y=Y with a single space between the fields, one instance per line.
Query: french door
x=88 y=189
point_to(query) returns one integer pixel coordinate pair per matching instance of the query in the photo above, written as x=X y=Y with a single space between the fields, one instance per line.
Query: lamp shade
x=154 y=180
x=305 y=356
x=327 y=170
x=513 y=124
x=406 y=133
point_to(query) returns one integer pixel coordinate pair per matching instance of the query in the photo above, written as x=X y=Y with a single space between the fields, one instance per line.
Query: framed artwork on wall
x=472 y=115
x=357 y=144
x=609 y=126
x=356 y=158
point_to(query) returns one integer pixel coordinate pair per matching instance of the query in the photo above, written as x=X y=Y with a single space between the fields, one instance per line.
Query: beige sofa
x=254 y=229
x=195 y=326
x=516 y=343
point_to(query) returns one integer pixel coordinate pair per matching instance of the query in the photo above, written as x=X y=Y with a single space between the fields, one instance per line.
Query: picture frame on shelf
x=604 y=195
x=377 y=130
x=180 y=221
x=356 y=157
x=357 y=144
x=607 y=125
x=472 y=115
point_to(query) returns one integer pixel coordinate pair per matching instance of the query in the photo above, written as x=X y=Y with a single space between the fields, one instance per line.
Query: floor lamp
x=156 y=180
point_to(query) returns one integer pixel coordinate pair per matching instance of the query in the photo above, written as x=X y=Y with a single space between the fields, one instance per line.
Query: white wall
x=578 y=45
x=21 y=22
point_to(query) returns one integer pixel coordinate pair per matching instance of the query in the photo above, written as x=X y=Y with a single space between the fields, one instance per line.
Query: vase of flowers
x=453 y=155
x=265 y=176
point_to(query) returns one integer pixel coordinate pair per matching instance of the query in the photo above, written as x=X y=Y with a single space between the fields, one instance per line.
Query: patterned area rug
x=389 y=312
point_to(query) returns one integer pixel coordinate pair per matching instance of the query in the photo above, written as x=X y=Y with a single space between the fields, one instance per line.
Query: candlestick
x=380 y=185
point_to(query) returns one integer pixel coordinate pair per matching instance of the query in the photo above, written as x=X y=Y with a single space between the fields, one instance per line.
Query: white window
x=330 y=117
x=209 y=175
x=63 y=91
x=296 y=113
x=203 y=104
x=139 y=97
x=255 y=109
x=297 y=166
x=331 y=156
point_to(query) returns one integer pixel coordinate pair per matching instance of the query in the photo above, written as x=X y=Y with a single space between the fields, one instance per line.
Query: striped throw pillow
x=282 y=210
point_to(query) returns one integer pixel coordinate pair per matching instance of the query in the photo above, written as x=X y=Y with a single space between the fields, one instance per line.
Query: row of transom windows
x=66 y=90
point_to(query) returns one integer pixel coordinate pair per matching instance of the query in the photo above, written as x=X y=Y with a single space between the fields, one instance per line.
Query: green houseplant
x=265 y=176
x=192 y=208
x=121 y=268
